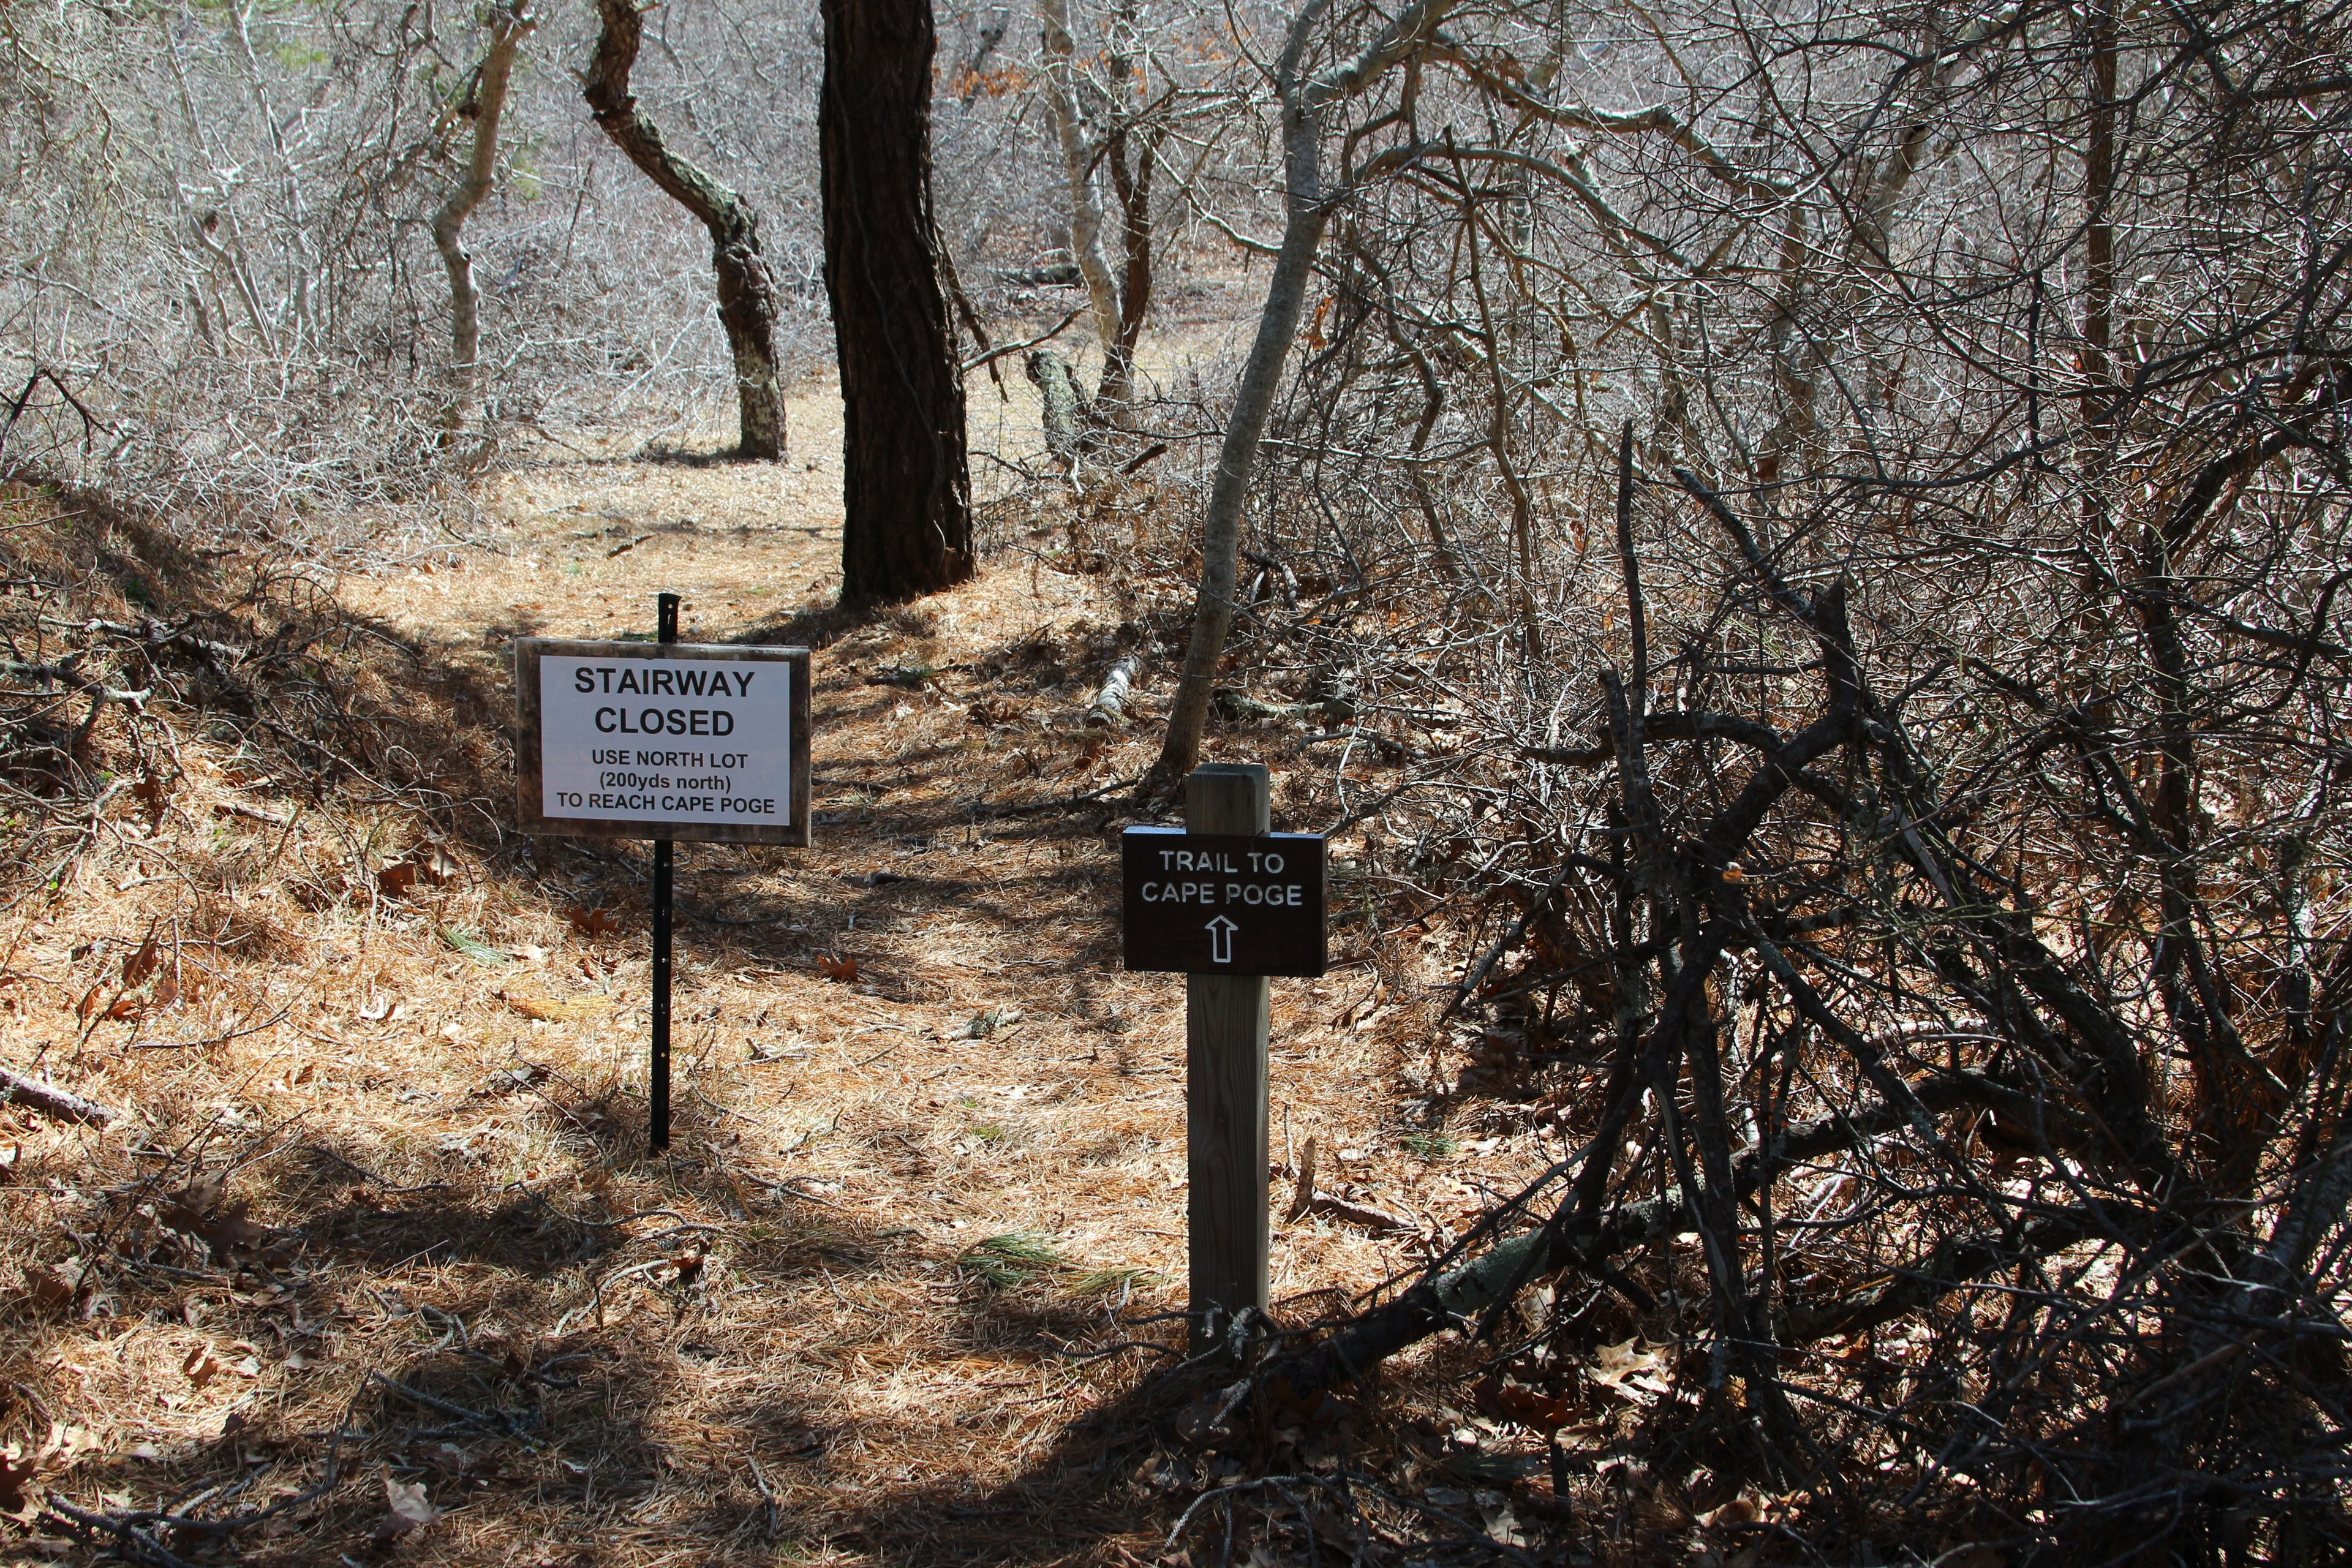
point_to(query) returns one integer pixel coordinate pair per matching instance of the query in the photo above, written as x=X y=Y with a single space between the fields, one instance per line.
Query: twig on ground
x=51 y=1100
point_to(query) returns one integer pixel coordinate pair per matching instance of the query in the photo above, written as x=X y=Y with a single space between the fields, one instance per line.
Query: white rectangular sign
x=662 y=740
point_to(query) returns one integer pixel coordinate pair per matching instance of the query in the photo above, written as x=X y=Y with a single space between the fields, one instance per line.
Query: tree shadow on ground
x=568 y=1387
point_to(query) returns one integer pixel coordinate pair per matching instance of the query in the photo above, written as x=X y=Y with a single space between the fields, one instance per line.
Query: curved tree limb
x=747 y=294
x=509 y=24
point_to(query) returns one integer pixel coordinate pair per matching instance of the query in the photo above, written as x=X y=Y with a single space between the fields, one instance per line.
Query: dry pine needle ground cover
x=373 y=1265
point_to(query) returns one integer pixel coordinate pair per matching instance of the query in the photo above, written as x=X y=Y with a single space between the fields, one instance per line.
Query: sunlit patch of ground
x=930 y=1137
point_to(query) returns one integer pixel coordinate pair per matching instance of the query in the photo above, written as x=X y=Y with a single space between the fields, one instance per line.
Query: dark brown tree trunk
x=747 y=295
x=1130 y=176
x=905 y=489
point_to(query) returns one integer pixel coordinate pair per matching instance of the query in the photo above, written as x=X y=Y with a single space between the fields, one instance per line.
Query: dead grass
x=421 y=1093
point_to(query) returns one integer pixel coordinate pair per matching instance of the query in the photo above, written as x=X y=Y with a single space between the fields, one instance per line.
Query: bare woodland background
x=1833 y=516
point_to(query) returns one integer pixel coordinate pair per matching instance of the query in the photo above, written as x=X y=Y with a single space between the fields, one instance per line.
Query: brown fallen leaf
x=1531 y=1408
x=689 y=1265
x=197 y=1212
x=52 y=1289
x=229 y=1229
x=202 y=1367
x=406 y=1509
x=398 y=878
x=592 y=922
x=66 y=1442
x=1738 y=1513
x=1630 y=1370
x=559 y=1009
x=142 y=964
x=199 y=1197
x=154 y=795
x=844 y=970
x=89 y=1002
x=17 y=1471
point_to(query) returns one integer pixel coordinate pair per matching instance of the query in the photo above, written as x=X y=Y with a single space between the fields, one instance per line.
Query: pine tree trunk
x=905 y=489
x=747 y=295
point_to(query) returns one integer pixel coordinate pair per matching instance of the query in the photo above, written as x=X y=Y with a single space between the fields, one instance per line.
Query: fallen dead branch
x=49 y=1100
x=1109 y=708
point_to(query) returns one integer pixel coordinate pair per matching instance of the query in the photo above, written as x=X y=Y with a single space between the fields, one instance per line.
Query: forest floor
x=381 y=1168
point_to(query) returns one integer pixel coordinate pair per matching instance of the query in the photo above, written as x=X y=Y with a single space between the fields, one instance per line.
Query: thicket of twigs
x=1899 y=769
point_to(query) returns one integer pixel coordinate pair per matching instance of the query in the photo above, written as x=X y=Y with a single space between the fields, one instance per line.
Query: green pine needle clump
x=1007 y=1261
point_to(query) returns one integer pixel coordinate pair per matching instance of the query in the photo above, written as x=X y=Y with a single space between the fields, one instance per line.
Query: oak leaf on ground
x=406 y=1509
x=16 y=1472
x=592 y=922
x=142 y=964
x=52 y=1289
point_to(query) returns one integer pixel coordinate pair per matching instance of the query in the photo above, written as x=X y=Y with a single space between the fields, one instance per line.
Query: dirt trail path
x=928 y=1134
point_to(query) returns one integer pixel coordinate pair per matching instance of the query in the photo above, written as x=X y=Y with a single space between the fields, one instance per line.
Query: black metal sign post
x=665 y=864
x=1225 y=903
x=664 y=740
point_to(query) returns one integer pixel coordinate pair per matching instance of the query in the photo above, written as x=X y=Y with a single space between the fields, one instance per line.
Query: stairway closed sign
x=662 y=741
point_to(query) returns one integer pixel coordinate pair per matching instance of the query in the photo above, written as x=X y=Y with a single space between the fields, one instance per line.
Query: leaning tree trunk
x=905 y=489
x=486 y=103
x=747 y=295
x=1308 y=207
x=1078 y=158
x=1132 y=157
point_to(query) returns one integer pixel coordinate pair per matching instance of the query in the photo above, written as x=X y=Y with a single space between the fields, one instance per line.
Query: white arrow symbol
x=1220 y=940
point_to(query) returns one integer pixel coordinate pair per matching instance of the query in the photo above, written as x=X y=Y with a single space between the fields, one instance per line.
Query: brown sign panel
x=637 y=739
x=1222 y=903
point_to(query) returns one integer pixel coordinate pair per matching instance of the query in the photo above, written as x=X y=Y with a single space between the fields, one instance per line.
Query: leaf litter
x=513 y=1262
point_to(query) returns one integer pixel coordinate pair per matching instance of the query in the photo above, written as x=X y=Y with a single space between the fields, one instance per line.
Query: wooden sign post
x=662 y=741
x=1226 y=903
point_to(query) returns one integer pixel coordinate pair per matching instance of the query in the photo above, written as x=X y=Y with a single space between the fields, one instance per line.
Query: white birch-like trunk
x=507 y=27
x=1086 y=208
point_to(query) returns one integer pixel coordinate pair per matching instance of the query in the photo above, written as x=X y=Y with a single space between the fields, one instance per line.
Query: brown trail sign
x=1225 y=903
x=1222 y=903
x=662 y=741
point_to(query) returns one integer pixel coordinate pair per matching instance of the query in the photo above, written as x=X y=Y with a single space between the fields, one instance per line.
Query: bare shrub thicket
x=221 y=284
x=1907 y=798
